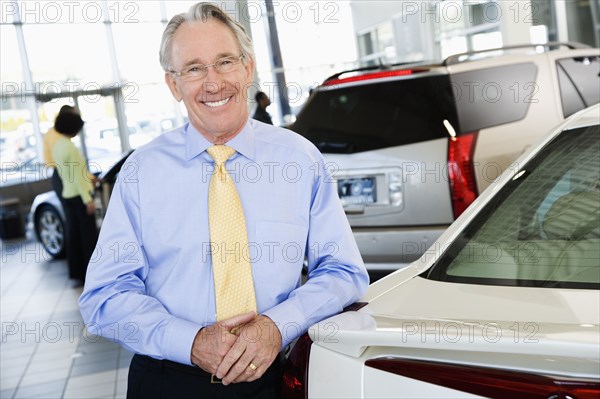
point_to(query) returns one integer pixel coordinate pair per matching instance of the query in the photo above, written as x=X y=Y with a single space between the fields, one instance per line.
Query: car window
x=378 y=115
x=542 y=229
x=494 y=96
x=579 y=79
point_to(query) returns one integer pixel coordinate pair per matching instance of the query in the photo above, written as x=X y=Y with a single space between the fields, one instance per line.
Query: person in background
x=207 y=230
x=77 y=195
x=50 y=139
x=262 y=102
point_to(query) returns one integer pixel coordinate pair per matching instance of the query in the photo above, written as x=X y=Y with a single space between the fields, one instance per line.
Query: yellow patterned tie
x=234 y=287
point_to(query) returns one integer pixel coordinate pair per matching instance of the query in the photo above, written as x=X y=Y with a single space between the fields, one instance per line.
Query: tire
x=50 y=231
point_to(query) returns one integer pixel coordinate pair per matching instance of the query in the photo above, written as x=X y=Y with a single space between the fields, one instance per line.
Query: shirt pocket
x=279 y=244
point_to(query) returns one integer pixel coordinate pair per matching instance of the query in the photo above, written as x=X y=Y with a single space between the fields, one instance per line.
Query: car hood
x=430 y=315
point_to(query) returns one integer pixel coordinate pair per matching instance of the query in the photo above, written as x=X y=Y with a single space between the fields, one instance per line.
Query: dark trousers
x=152 y=379
x=57 y=185
x=82 y=235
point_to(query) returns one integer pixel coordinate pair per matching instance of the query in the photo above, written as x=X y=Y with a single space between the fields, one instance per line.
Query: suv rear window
x=364 y=117
x=579 y=79
x=494 y=96
x=542 y=229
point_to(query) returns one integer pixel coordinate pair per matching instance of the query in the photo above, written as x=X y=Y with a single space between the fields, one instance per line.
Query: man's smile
x=215 y=104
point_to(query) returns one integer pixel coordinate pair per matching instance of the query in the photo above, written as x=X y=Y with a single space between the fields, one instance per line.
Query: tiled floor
x=44 y=350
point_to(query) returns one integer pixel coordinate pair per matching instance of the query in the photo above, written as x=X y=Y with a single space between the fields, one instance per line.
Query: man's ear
x=173 y=86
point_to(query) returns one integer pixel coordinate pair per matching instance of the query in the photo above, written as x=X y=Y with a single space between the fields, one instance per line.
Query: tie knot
x=220 y=153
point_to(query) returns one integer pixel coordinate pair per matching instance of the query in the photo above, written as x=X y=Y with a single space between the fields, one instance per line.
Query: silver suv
x=411 y=146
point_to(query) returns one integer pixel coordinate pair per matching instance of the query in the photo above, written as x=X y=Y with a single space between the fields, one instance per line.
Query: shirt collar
x=243 y=142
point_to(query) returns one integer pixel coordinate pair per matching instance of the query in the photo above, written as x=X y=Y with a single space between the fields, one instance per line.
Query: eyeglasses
x=199 y=71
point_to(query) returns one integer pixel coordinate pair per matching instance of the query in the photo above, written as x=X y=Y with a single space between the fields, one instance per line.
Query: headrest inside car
x=574 y=216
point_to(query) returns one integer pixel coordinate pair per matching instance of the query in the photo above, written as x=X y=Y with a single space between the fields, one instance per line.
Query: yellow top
x=72 y=170
x=50 y=139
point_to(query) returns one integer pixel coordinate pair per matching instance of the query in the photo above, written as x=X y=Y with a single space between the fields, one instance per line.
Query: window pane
x=480 y=98
x=138 y=64
x=152 y=115
x=366 y=117
x=487 y=40
x=133 y=12
x=386 y=42
x=73 y=52
x=365 y=43
x=10 y=61
x=179 y=6
x=580 y=22
x=571 y=100
x=102 y=140
x=17 y=141
x=584 y=74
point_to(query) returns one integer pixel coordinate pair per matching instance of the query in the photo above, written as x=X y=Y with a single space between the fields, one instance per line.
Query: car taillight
x=461 y=171
x=295 y=370
x=491 y=383
x=375 y=75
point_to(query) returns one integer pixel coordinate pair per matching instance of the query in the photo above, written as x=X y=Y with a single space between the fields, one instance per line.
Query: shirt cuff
x=286 y=317
x=180 y=339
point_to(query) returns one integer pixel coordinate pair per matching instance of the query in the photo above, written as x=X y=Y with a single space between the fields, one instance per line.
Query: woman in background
x=77 y=194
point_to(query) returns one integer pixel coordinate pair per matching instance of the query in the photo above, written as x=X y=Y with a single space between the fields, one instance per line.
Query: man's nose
x=211 y=86
x=213 y=80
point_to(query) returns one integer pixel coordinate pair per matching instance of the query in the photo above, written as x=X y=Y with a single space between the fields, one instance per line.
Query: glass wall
x=100 y=56
x=434 y=30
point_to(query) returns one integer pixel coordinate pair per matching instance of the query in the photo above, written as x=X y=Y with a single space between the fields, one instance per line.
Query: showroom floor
x=45 y=352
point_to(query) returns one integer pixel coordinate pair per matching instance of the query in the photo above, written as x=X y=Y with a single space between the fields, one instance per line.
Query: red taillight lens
x=376 y=75
x=491 y=383
x=461 y=171
x=295 y=370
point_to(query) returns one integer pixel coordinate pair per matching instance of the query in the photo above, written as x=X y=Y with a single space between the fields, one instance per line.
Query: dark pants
x=57 y=185
x=153 y=379
x=82 y=235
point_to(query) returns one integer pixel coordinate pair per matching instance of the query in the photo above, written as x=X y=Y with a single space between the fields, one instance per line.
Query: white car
x=411 y=146
x=505 y=304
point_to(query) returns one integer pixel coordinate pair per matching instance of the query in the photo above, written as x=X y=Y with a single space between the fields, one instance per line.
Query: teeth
x=217 y=103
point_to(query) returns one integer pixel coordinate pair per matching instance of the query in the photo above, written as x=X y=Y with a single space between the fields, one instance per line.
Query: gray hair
x=203 y=12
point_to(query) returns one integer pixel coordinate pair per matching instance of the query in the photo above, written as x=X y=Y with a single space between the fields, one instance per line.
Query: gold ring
x=252 y=366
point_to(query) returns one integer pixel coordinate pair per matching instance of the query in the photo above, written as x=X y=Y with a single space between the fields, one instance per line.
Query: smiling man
x=198 y=268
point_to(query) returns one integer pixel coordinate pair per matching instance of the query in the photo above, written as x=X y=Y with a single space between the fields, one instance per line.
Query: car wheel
x=50 y=230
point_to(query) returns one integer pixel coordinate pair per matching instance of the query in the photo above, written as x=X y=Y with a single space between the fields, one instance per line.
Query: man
x=156 y=282
x=262 y=102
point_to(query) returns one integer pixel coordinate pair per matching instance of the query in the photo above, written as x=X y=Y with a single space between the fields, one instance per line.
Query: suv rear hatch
x=387 y=137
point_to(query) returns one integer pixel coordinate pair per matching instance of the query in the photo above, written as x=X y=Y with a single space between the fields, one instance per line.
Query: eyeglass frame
x=182 y=74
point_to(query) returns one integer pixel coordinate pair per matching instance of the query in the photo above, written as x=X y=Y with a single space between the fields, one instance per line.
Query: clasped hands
x=237 y=349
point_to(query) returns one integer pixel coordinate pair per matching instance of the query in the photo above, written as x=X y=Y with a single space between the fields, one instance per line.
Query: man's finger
x=239 y=370
x=235 y=352
x=248 y=373
x=238 y=320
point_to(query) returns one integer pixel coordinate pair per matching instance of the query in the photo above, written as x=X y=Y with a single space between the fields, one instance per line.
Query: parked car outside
x=46 y=219
x=506 y=304
x=412 y=146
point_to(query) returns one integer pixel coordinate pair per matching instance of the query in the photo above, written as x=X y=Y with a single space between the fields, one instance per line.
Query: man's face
x=216 y=104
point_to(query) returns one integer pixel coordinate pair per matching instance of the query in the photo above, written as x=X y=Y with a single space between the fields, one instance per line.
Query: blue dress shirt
x=149 y=284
